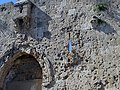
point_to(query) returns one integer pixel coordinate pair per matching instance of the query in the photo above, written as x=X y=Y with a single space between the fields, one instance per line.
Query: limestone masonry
x=60 y=44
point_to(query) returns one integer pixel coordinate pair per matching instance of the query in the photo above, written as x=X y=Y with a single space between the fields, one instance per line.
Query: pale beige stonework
x=43 y=30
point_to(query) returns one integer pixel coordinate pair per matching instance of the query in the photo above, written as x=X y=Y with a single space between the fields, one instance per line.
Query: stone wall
x=92 y=25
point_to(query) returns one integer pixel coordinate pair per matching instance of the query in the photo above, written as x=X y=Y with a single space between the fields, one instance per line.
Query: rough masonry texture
x=34 y=40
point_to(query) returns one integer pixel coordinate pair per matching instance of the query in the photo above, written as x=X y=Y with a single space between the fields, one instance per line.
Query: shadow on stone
x=102 y=26
x=115 y=16
x=106 y=28
x=40 y=28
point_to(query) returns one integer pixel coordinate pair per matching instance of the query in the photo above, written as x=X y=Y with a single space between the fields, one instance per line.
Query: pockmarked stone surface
x=42 y=29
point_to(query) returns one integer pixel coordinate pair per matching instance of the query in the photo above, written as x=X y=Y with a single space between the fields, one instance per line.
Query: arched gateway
x=22 y=73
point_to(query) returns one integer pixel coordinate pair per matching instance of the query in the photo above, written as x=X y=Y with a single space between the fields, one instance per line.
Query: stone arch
x=44 y=63
x=22 y=67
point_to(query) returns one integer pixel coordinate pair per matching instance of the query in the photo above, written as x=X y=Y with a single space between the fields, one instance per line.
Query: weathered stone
x=71 y=12
x=42 y=28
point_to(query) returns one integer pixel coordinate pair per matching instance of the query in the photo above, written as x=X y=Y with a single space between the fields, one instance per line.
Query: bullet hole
x=86 y=60
x=55 y=62
x=94 y=77
x=69 y=60
x=59 y=55
x=43 y=3
x=111 y=39
x=65 y=77
x=61 y=58
x=107 y=42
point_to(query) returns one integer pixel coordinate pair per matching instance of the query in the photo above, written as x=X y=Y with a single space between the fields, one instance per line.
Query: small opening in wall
x=20 y=21
x=25 y=74
x=3 y=9
x=21 y=9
